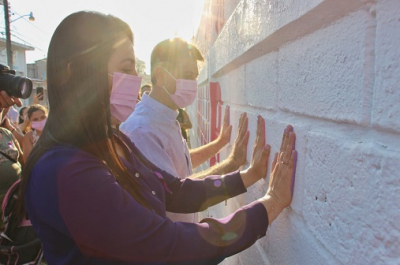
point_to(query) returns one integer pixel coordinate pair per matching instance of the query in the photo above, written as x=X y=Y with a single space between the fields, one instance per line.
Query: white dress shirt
x=153 y=128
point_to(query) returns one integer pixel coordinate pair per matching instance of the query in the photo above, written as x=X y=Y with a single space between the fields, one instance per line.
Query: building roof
x=16 y=44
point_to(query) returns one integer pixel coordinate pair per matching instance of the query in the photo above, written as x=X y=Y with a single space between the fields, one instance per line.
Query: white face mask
x=185 y=93
x=124 y=95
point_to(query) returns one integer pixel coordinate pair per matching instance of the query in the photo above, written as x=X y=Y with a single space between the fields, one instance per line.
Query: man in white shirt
x=153 y=127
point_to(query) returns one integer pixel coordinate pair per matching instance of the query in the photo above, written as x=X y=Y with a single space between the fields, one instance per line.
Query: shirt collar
x=158 y=107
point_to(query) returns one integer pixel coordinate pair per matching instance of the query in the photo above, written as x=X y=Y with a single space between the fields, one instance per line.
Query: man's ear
x=159 y=75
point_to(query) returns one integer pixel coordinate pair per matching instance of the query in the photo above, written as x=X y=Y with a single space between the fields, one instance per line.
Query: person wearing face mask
x=11 y=161
x=23 y=121
x=91 y=195
x=153 y=126
x=37 y=115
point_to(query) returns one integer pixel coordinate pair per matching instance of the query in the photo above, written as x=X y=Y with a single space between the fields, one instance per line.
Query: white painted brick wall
x=322 y=74
x=386 y=105
x=331 y=68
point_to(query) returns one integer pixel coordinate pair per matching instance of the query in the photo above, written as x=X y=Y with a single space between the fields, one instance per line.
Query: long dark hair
x=21 y=112
x=79 y=96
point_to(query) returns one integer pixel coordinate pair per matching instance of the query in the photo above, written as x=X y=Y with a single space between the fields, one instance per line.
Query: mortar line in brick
x=319 y=17
x=387 y=139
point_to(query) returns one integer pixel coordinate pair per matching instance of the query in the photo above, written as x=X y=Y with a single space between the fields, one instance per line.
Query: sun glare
x=151 y=21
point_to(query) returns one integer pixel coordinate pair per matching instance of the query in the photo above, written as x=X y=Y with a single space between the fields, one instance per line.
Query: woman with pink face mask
x=37 y=115
x=91 y=195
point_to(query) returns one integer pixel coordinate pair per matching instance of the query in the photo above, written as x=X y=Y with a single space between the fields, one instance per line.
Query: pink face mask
x=185 y=93
x=38 y=125
x=124 y=95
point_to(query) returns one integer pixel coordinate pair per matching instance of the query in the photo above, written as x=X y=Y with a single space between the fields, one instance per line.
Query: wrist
x=247 y=178
x=9 y=127
x=235 y=161
x=272 y=206
x=219 y=143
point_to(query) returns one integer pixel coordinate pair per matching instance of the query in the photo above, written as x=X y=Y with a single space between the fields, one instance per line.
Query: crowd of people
x=18 y=135
x=107 y=175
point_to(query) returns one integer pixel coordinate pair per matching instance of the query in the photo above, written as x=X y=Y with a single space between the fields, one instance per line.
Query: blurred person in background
x=145 y=89
x=10 y=152
x=13 y=115
x=37 y=115
x=23 y=121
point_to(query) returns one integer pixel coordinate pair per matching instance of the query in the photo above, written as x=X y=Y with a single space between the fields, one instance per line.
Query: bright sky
x=151 y=21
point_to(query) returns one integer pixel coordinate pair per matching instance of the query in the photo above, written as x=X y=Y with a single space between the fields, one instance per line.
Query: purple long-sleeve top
x=83 y=216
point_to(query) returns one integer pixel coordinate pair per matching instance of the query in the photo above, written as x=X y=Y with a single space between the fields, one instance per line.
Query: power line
x=26 y=39
x=30 y=23
x=25 y=42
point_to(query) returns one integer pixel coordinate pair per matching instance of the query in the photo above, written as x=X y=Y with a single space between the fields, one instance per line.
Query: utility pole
x=8 y=34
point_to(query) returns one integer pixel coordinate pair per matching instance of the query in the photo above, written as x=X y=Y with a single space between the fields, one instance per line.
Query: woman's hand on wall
x=238 y=156
x=281 y=183
x=259 y=162
x=225 y=134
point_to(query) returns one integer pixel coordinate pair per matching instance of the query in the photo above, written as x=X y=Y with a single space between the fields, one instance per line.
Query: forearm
x=19 y=136
x=224 y=167
x=272 y=206
x=16 y=133
x=23 y=126
x=201 y=154
x=194 y=195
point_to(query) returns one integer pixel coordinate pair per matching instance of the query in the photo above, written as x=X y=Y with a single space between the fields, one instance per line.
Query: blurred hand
x=281 y=182
x=7 y=101
x=238 y=156
x=7 y=124
x=225 y=134
x=26 y=120
x=37 y=98
x=259 y=162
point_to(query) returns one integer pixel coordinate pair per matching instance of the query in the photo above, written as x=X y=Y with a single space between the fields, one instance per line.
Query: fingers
x=274 y=167
x=289 y=147
x=285 y=137
x=7 y=101
x=245 y=140
x=227 y=133
x=243 y=124
x=265 y=154
x=275 y=160
x=292 y=168
x=260 y=133
x=18 y=102
x=226 y=117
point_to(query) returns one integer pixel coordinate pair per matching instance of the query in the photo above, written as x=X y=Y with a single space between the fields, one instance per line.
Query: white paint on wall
x=331 y=68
